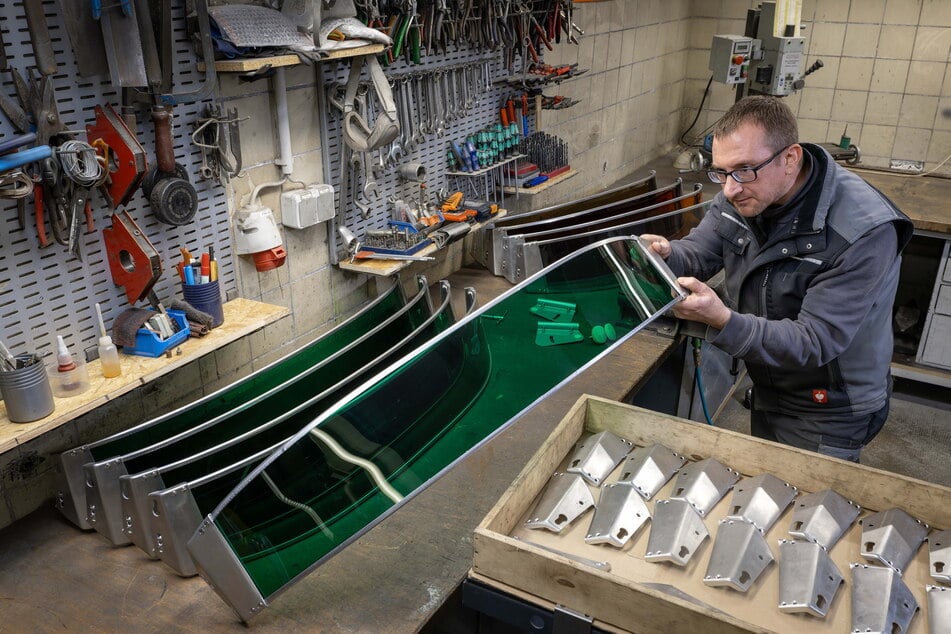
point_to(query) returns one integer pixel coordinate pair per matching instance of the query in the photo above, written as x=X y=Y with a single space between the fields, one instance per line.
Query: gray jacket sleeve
x=832 y=311
x=700 y=253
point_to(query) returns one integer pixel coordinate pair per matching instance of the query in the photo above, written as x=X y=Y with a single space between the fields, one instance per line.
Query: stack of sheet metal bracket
x=518 y=246
x=256 y=484
x=809 y=580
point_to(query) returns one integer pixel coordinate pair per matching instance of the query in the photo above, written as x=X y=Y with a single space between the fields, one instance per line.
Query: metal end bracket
x=648 y=469
x=565 y=499
x=808 y=578
x=619 y=515
x=596 y=456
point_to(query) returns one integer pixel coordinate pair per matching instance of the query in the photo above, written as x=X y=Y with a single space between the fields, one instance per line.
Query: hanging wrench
x=439 y=106
x=409 y=144
x=357 y=169
x=422 y=127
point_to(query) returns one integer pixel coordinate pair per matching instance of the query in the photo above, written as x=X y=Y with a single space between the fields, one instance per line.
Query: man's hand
x=658 y=244
x=702 y=304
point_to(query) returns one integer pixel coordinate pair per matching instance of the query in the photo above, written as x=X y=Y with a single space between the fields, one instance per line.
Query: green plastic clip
x=553 y=310
x=556 y=334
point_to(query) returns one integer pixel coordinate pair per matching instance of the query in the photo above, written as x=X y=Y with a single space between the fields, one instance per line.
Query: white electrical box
x=302 y=208
x=730 y=58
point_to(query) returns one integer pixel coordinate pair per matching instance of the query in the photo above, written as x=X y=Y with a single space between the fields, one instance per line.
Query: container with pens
x=200 y=284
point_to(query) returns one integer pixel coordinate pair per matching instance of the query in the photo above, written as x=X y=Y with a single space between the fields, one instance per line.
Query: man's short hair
x=770 y=113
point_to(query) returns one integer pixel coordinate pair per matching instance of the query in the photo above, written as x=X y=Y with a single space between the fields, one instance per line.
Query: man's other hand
x=702 y=304
x=658 y=244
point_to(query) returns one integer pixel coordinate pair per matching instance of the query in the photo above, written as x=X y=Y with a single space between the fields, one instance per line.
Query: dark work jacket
x=813 y=301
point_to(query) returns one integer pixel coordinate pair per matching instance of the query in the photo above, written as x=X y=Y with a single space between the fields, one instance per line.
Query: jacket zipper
x=762 y=293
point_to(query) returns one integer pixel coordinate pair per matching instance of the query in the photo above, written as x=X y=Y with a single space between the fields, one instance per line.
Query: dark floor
x=916 y=439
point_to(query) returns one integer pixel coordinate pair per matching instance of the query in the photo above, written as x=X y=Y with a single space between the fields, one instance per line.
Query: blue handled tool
x=19 y=159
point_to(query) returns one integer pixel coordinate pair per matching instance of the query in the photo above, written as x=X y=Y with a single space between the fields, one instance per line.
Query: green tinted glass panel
x=210 y=493
x=388 y=438
x=315 y=380
x=255 y=384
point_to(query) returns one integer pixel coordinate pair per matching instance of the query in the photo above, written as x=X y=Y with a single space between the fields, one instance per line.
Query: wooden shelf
x=551 y=182
x=257 y=63
x=242 y=317
x=385 y=268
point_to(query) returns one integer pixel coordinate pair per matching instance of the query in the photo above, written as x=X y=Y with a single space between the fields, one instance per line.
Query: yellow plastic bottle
x=108 y=353
x=109 y=358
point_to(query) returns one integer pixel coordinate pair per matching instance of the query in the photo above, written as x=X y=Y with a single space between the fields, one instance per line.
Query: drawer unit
x=935 y=346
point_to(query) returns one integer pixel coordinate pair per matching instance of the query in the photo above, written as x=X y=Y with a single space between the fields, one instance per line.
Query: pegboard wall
x=488 y=67
x=46 y=292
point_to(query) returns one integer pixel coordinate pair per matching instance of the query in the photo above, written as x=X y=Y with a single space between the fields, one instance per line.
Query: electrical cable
x=15 y=185
x=699 y=380
x=703 y=99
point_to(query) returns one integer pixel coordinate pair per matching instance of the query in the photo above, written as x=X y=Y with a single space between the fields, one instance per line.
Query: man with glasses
x=811 y=255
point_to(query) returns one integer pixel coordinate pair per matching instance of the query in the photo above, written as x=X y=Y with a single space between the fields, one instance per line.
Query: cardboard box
x=640 y=596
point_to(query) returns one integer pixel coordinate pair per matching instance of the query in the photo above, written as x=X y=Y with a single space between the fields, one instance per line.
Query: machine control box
x=730 y=58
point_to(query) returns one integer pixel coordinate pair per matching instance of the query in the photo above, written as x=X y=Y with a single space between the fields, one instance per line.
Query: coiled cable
x=15 y=185
x=81 y=164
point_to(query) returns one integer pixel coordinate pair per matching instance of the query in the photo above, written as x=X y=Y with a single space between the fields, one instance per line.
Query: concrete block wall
x=886 y=79
x=631 y=98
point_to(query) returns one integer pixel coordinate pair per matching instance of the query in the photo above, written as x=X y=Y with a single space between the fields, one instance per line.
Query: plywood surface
x=923 y=199
x=242 y=317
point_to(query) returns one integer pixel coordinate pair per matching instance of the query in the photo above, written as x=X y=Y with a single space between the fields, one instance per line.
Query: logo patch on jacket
x=820 y=396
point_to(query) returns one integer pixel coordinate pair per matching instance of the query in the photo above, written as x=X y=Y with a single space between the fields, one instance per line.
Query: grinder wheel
x=153 y=175
x=174 y=201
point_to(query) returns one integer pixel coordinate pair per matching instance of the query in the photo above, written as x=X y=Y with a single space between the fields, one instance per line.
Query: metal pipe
x=286 y=160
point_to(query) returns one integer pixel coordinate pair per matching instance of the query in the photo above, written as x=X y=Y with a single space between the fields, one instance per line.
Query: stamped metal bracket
x=823 y=517
x=939 y=608
x=740 y=555
x=619 y=515
x=677 y=530
x=881 y=602
x=596 y=456
x=761 y=500
x=892 y=537
x=939 y=556
x=808 y=578
x=565 y=499
x=704 y=483
x=648 y=469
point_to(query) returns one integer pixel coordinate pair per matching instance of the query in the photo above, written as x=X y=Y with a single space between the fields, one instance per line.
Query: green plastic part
x=610 y=332
x=556 y=334
x=553 y=310
x=597 y=333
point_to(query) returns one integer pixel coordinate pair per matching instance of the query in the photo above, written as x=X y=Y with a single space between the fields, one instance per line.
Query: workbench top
x=242 y=316
x=924 y=199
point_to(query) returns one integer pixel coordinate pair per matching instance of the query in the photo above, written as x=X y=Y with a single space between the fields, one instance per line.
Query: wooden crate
x=656 y=597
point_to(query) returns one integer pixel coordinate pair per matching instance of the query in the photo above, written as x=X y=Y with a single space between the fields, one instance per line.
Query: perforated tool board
x=46 y=292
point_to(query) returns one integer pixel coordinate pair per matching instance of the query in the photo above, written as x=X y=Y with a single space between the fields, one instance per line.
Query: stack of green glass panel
x=362 y=458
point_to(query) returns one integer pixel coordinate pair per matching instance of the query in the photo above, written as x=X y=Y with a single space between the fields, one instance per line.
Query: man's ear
x=793 y=154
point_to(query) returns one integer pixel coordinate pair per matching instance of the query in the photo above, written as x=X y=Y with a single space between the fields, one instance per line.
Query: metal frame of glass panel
x=601 y=213
x=640 y=198
x=533 y=256
x=103 y=496
x=664 y=201
x=484 y=248
x=71 y=497
x=320 y=490
x=167 y=516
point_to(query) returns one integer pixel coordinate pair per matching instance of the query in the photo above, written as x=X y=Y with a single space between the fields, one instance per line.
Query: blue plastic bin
x=148 y=344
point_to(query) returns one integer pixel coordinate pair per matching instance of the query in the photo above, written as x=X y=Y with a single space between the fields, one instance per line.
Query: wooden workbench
x=241 y=317
x=393 y=579
x=923 y=199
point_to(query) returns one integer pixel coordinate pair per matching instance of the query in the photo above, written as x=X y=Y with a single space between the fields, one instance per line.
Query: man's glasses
x=744 y=174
